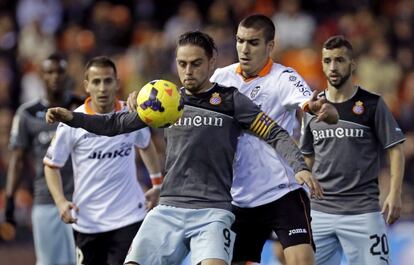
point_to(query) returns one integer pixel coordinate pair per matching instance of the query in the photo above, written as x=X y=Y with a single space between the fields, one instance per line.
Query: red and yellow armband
x=262 y=125
x=156 y=180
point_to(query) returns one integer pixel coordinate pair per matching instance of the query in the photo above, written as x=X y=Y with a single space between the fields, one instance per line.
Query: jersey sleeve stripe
x=394 y=143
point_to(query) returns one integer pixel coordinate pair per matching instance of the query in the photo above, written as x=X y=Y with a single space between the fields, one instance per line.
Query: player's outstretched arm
x=393 y=203
x=323 y=110
x=58 y=115
x=109 y=124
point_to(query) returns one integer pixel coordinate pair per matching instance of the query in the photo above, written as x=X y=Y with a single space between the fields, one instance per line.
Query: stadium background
x=140 y=36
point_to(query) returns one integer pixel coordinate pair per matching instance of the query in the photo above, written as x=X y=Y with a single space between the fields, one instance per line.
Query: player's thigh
x=328 y=248
x=53 y=239
x=91 y=248
x=211 y=238
x=364 y=239
x=252 y=231
x=292 y=221
x=120 y=241
x=160 y=239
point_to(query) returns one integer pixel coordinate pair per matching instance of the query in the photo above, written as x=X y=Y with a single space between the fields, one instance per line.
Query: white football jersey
x=260 y=174
x=106 y=188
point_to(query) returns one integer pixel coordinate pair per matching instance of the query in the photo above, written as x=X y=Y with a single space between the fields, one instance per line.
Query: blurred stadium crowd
x=140 y=36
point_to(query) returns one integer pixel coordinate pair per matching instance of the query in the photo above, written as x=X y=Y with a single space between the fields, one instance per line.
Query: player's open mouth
x=334 y=77
x=102 y=98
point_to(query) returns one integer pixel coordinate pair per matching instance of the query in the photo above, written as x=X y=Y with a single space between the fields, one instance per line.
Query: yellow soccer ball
x=159 y=103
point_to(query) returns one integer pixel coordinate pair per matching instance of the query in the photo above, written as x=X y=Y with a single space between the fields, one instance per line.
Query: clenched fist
x=58 y=115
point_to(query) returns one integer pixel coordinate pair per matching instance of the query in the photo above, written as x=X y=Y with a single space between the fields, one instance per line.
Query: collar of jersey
x=263 y=72
x=90 y=111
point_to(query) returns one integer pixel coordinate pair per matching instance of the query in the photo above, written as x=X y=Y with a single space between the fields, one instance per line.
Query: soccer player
x=195 y=204
x=266 y=195
x=345 y=159
x=53 y=239
x=108 y=204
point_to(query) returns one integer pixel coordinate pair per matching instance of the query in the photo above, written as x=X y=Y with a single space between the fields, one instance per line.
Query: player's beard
x=338 y=84
x=196 y=87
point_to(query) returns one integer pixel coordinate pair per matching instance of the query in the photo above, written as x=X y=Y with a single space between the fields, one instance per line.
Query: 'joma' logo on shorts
x=298 y=231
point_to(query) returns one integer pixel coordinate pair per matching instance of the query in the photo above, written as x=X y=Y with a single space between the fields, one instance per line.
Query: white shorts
x=53 y=239
x=169 y=233
x=361 y=237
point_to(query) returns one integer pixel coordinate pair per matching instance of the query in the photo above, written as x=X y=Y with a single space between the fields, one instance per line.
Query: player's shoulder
x=283 y=71
x=224 y=72
x=222 y=89
x=362 y=93
x=367 y=98
x=31 y=107
x=80 y=109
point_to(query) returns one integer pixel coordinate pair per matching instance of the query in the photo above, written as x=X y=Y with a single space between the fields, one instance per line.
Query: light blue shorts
x=169 y=233
x=362 y=238
x=53 y=239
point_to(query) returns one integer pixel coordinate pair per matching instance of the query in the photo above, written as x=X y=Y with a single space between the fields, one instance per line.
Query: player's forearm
x=150 y=158
x=397 y=162
x=54 y=183
x=14 y=174
x=285 y=146
x=309 y=160
x=109 y=125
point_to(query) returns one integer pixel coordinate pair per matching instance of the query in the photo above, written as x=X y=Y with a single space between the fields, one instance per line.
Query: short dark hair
x=259 y=21
x=200 y=39
x=339 y=41
x=58 y=58
x=99 y=61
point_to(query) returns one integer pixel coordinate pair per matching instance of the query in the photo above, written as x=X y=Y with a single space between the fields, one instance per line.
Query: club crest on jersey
x=358 y=108
x=215 y=99
x=254 y=92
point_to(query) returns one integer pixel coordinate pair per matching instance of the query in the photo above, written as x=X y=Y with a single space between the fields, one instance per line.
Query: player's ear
x=353 y=66
x=270 y=45
x=85 y=85
x=212 y=62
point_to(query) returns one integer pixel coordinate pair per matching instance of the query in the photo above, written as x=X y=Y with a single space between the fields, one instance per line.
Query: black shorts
x=289 y=217
x=105 y=248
